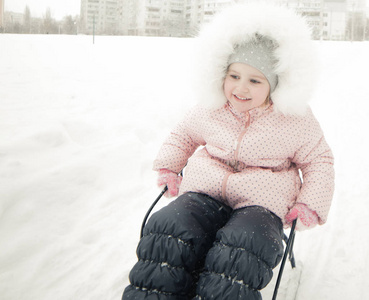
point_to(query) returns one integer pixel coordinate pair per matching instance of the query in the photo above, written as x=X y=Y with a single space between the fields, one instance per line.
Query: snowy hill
x=80 y=125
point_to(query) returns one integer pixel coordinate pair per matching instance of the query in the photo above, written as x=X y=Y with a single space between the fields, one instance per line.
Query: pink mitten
x=171 y=180
x=306 y=218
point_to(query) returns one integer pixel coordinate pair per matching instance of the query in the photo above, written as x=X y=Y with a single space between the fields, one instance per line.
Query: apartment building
x=329 y=19
x=147 y=17
x=200 y=12
x=160 y=18
x=129 y=11
x=101 y=16
x=334 y=20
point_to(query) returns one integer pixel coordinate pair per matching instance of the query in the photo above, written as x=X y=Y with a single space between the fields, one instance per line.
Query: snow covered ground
x=80 y=125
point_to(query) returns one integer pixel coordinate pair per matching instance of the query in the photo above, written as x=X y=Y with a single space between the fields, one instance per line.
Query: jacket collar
x=251 y=114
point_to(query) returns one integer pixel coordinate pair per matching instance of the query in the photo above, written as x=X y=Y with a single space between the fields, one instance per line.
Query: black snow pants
x=198 y=248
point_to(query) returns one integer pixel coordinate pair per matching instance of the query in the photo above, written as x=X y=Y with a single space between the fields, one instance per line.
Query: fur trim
x=238 y=24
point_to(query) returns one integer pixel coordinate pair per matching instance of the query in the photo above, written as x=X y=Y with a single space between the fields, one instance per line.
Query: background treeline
x=44 y=25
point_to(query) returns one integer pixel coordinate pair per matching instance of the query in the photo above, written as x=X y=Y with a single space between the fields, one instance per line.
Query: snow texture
x=80 y=125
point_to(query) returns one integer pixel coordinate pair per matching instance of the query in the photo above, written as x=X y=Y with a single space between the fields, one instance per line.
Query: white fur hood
x=235 y=25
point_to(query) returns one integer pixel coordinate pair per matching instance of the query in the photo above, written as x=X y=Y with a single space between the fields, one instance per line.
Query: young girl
x=221 y=238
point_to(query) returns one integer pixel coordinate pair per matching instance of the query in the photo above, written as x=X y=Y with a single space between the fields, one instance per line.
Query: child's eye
x=234 y=76
x=254 y=81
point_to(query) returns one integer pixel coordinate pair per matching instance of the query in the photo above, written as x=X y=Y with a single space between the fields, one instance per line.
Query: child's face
x=245 y=87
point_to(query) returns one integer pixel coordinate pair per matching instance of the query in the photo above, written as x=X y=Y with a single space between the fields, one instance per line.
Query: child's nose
x=244 y=86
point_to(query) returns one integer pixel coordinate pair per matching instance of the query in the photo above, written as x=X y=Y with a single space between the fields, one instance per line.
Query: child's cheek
x=226 y=91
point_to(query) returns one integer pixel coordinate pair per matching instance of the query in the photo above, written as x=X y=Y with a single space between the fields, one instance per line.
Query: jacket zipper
x=236 y=152
x=238 y=143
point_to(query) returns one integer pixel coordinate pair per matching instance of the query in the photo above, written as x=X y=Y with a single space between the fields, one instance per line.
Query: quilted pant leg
x=173 y=248
x=241 y=260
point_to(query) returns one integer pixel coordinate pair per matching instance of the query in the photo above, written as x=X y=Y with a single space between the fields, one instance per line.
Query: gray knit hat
x=258 y=53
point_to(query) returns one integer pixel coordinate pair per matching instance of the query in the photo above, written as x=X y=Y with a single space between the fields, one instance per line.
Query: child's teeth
x=241 y=98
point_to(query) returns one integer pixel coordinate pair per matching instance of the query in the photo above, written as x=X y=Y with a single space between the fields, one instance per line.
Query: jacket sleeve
x=181 y=143
x=315 y=160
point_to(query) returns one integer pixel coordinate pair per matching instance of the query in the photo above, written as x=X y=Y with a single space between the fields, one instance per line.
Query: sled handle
x=150 y=209
x=287 y=252
x=153 y=205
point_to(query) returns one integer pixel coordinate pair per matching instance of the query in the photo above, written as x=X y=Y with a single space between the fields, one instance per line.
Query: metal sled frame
x=288 y=253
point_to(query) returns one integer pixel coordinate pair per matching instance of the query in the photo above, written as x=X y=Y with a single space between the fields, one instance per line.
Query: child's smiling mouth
x=241 y=98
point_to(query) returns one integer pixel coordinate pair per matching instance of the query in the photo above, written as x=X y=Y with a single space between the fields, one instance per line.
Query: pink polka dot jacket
x=252 y=158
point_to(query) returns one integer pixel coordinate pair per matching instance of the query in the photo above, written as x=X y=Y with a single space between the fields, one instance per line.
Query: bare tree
x=69 y=25
x=49 y=25
x=356 y=27
x=27 y=20
x=175 y=27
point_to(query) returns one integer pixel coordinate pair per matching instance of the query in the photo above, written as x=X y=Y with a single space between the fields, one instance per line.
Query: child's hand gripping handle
x=306 y=218
x=171 y=180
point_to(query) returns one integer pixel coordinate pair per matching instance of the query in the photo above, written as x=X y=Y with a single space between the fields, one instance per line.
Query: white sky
x=58 y=8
